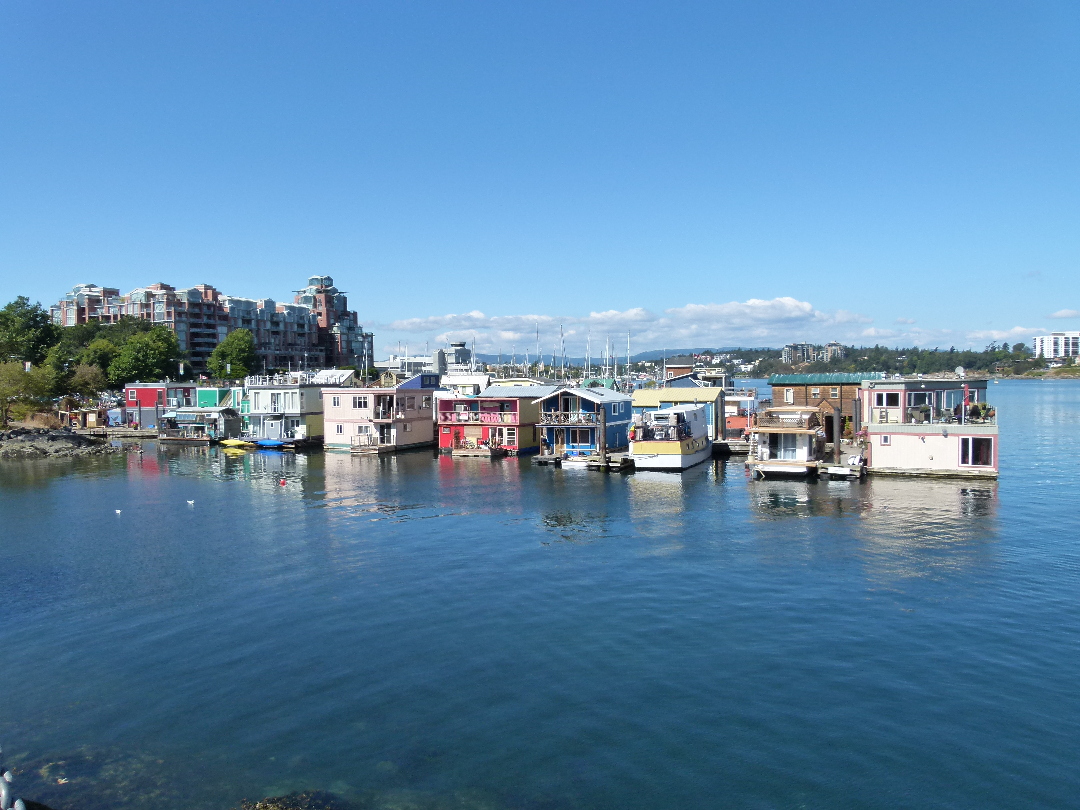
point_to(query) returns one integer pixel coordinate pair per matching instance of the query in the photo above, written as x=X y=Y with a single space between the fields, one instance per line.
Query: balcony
x=478 y=417
x=569 y=418
x=796 y=421
x=923 y=415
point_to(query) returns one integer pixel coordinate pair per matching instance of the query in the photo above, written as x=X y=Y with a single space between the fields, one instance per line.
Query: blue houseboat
x=570 y=420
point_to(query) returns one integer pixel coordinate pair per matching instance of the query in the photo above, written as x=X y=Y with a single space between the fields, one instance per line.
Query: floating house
x=929 y=426
x=584 y=421
x=288 y=407
x=147 y=402
x=504 y=417
x=381 y=420
x=647 y=400
x=199 y=426
x=786 y=440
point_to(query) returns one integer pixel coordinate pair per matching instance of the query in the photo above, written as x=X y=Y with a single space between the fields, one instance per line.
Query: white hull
x=669 y=461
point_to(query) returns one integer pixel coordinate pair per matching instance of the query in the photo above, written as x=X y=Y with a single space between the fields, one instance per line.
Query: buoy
x=283 y=482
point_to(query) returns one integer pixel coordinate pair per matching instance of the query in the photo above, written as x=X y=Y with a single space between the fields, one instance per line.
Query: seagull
x=118 y=511
x=191 y=503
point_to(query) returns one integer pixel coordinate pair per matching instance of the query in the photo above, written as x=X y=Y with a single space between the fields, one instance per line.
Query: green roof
x=830 y=378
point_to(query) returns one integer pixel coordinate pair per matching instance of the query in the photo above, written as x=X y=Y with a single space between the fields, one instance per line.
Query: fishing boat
x=674 y=438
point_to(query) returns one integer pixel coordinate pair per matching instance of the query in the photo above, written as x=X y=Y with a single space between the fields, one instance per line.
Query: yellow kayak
x=237 y=443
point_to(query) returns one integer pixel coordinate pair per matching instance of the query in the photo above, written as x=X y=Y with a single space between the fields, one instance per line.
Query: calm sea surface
x=423 y=632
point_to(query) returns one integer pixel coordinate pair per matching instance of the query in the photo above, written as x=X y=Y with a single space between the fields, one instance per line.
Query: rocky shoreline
x=26 y=443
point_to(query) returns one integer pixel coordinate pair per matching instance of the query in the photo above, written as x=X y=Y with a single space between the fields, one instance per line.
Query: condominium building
x=318 y=329
x=1057 y=345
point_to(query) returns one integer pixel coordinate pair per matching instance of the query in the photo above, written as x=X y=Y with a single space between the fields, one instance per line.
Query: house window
x=886 y=439
x=977 y=451
x=410 y=403
x=887 y=399
x=407 y=427
x=834 y=393
x=580 y=436
x=789 y=396
x=815 y=393
x=446 y=430
x=359 y=402
x=131 y=395
x=335 y=401
x=511 y=436
x=425 y=402
x=339 y=428
x=362 y=429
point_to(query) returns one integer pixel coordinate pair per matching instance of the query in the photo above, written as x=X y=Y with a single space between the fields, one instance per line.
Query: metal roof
x=828 y=378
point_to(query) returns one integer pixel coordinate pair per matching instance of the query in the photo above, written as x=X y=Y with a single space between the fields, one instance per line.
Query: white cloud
x=873 y=332
x=752 y=322
x=905 y=320
x=1066 y=313
x=997 y=334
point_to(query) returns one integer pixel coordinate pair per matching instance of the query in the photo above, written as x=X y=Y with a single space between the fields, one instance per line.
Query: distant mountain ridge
x=640 y=357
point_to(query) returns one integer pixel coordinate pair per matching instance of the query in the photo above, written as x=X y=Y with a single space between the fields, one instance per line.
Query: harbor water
x=416 y=631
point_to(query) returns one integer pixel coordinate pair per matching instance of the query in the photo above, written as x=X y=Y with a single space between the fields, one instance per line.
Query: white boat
x=674 y=438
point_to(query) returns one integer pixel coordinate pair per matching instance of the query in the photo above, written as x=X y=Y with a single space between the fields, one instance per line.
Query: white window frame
x=789 y=396
x=335 y=402
x=886 y=439
x=339 y=429
x=834 y=393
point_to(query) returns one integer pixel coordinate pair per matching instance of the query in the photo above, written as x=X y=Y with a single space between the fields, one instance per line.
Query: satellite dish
x=960 y=372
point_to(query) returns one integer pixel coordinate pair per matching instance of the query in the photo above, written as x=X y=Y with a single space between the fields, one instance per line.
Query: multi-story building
x=85 y=303
x=317 y=330
x=504 y=416
x=382 y=419
x=340 y=334
x=929 y=426
x=1057 y=345
x=289 y=407
x=833 y=351
x=796 y=353
x=147 y=403
x=286 y=335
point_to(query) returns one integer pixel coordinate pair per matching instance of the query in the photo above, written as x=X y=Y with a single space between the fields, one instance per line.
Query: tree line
x=88 y=358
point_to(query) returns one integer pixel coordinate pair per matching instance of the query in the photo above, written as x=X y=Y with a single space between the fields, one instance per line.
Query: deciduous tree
x=235 y=356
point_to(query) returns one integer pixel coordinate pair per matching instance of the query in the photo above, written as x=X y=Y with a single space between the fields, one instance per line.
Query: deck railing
x=569 y=418
x=482 y=417
x=774 y=421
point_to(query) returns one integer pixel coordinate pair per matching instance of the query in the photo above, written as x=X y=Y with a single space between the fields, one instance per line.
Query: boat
x=270 y=444
x=674 y=438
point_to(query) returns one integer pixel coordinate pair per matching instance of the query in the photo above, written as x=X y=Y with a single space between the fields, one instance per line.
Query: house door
x=386 y=434
x=272 y=428
x=560 y=441
x=497 y=436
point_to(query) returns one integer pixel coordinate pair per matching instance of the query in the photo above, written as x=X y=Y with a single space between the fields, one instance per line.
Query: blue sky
x=696 y=174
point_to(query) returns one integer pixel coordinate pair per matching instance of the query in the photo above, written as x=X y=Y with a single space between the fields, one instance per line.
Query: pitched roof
x=591 y=394
x=826 y=378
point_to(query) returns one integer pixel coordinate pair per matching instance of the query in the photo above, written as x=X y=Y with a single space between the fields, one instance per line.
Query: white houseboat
x=674 y=438
x=787 y=440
